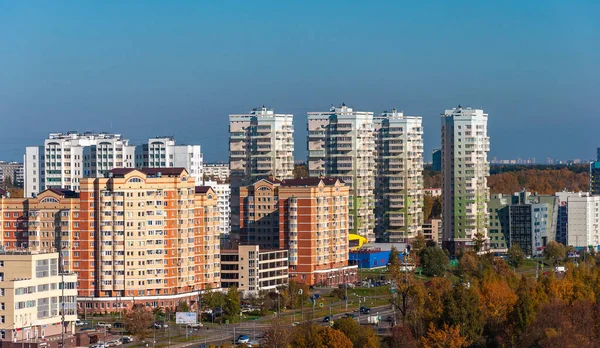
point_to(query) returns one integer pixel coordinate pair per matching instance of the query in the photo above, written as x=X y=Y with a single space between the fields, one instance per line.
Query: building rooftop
x=121 y=172
x=309 y=181
x=64 y=192
x=202 y=189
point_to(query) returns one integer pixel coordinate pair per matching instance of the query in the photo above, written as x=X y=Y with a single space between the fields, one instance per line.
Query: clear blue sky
x=146 y=68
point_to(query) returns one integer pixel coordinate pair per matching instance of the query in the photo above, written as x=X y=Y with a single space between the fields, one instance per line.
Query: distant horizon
x=182 y=67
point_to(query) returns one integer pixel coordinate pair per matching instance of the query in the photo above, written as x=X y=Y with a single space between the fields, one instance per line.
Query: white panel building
x=341 y=144
x=223 y=209
x=583 y=227
x=465 y=169
x=399 y=178
x=162 y=152
x=66 y=158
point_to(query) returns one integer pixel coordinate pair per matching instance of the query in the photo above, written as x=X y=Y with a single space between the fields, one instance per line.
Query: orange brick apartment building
x=137 y=236
x=309 y=217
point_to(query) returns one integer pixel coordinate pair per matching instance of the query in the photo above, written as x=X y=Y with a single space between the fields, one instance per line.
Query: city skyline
x=106 y=73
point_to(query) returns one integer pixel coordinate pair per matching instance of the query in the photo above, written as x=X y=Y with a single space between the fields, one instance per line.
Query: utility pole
x=346 y=288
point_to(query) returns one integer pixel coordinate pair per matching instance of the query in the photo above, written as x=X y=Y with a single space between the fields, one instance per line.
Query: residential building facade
x=65 y=158
x=308 y=217
x=252 y=269
x=216 y=172
x=341 y=144
x=35 y=294
x=432 y=231
x=11 y=173
x=261 y=144
x=223 y=192
x=583 y=228
x=399 y=177
x=147 y=235
x=465 y=169
x=595 y=174
x=162 y=152
x=529 y=227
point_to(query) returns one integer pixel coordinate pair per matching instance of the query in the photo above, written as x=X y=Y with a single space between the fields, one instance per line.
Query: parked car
x=327 y=319
x=126 y=339
x=243 y=339
x=113 y=343
x=78 y=322
x=160 y=325
x=104 y=325
x=350 y=286
x=195 y=326
x=118 y=325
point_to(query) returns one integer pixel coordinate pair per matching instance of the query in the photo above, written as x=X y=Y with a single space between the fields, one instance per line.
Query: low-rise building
x=252 y=269
x=34 y=296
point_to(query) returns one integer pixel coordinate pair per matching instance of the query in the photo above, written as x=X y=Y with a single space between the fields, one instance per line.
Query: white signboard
x=186 y=318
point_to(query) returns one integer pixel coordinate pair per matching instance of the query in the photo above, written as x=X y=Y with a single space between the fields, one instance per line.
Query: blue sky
x=146 y=68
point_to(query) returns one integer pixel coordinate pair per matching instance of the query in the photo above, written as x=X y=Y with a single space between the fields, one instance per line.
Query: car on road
x=365 y=310
x=104 y=325
x=327 y=319
x=79 y=322
x=118 y=325
x=243 y=339
x=113 y=343
x=389 y=318
x=295 y=323
x=98 y=345
x=196 y=326
x=126 y=339
x=349 y=315
x=160 y=325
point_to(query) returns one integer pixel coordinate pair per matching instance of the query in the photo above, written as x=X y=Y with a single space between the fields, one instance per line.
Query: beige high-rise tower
x=341 y=144
x=261 y=144
x=399 y=178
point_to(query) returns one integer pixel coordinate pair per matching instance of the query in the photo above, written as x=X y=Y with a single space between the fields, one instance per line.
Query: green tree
x=138 y=321
x=338 y=293
x=427 y=206
x=231 y=307
x=515 y=256
x=212 y=299
x=434 y=261
x=183 y=306
x=361 y=336
x=555 y=251
x=394 y=260
x=418 y=244
x=462 y=306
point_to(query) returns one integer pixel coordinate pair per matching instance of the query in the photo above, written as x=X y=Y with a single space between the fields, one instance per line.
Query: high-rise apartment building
x=162 y=152
x=436 y=160
x=595 y=174
x=216 y=171
x=42 y=223
x=11 y=173
x=66 y=158
x=34 y=296
x=223 y=192
x=465 y=169
x=309 y=217
x=399 y=177
x=341 y=144
x=149 y=235
x=261 y=144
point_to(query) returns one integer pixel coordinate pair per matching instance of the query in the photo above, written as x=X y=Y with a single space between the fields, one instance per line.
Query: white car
x=104 y=325
x=195 y=326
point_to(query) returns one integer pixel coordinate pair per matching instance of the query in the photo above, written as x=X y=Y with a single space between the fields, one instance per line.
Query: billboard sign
x=186 y=318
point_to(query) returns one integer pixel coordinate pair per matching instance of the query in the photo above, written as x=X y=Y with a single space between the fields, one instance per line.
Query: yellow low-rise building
x=33 y=296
